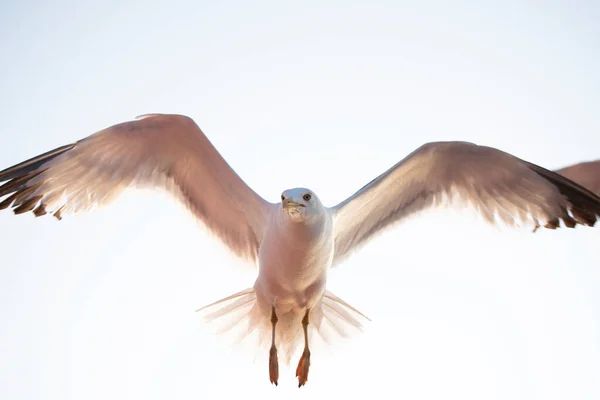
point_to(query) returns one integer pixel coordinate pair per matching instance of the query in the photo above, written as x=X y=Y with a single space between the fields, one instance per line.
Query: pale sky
x=325 y=95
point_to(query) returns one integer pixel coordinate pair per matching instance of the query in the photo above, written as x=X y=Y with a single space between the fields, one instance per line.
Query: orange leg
x=304 y=364
x=273 y=363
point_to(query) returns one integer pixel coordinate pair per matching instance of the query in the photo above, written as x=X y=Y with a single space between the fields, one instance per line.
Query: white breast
x=293 y=262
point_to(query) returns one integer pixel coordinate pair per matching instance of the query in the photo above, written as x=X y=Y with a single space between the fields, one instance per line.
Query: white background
x=324 y=95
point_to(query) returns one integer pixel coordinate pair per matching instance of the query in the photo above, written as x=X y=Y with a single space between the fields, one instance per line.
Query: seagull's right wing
x=587 y=174
x=158 y=150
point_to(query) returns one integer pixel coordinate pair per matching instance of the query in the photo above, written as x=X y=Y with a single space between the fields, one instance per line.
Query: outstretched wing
x=158 y=150
x=587 y=174
x=496 y=184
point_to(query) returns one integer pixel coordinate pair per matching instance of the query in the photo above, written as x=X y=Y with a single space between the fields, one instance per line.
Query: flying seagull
x=587 y=174
x=295 y=241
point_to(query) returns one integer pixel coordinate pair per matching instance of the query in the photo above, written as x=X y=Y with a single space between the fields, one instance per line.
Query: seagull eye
x=306 y=197
x=282 y=197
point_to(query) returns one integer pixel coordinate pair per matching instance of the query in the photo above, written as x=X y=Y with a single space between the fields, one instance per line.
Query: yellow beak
x=289 y=203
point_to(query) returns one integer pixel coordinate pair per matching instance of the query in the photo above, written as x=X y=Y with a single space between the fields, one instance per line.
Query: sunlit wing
x=163 y=151
x=499 y=186
x=587 y=174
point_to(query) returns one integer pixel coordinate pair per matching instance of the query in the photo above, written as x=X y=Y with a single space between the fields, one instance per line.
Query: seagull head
x=300 y=204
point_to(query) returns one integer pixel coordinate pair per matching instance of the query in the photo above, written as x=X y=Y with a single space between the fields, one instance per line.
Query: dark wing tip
x=20 y=187
x=57 y=214
x=27 y=205
x=40 y=210
x=33 y=163
x=585 y=205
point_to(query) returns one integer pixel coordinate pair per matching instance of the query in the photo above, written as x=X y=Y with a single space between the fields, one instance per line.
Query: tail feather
x=338 y=319
x=241 y=316
x=233 y=296
x=230 y=308
x=336 y=301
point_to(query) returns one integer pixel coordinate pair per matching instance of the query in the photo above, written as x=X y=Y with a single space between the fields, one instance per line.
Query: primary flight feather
x=293 y=242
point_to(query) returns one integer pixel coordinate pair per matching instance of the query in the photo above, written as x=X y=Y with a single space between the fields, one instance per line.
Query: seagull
x=586 y=173
x=295 y=241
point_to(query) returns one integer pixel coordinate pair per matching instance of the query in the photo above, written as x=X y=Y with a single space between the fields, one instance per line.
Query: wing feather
x=156 y=151
x=499 y=186
x=587 y=174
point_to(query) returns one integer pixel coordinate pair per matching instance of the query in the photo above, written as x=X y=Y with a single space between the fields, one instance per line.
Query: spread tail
x=241 y=316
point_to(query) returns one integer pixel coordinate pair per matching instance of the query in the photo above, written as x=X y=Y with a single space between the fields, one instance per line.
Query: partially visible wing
x=587 y=174
x=496 y=184
x=158 y=150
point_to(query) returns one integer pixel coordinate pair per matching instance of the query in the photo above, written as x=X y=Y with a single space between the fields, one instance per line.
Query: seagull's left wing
x=157 y=151
x=587 y=174
x=495 y=183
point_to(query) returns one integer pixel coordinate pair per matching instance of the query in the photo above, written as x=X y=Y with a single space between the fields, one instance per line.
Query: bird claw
x=273 y=366
x=302 y=369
